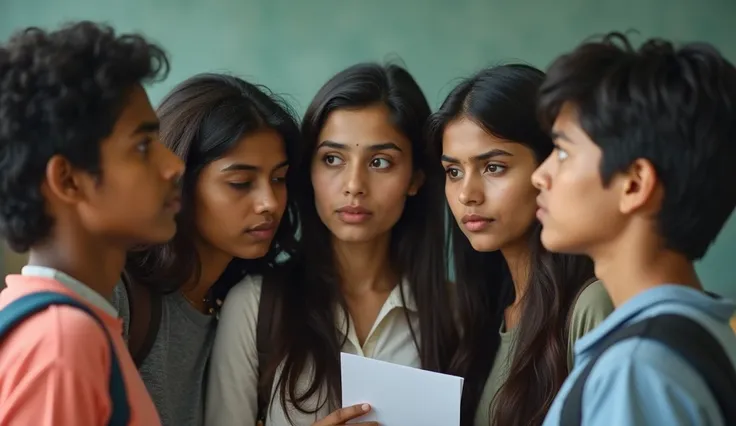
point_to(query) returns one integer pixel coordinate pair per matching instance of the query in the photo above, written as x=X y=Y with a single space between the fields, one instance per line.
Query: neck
x=365 y=266
x=97 y=266
x=212 y=263
x=631 y=266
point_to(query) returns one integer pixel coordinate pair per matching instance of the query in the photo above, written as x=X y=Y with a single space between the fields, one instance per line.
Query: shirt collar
x=393 y=301
x=73 y=284
x=720 y=309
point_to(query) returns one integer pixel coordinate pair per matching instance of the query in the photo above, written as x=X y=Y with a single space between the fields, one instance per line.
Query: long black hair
x=502 y=101
x=202 y=119
x=308 y=331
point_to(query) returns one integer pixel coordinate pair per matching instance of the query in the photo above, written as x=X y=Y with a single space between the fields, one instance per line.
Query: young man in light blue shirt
x=642 y=180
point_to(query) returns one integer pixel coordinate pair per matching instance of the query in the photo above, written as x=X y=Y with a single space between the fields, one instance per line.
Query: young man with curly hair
x=642 y=180
x=83 y=179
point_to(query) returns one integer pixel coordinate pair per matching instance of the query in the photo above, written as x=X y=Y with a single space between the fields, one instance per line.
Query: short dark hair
x=675 y=107
x=61 y=93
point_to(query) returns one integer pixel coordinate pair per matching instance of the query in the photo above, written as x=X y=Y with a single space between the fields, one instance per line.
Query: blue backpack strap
x=686 y=338
x=26 y=306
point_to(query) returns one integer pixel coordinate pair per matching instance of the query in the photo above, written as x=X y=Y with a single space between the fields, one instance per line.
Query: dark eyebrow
x=146 y=127
x=558 y=134
x=333 y=145
x=239 y=167
x=481 y=157
x=376 y=147
x=492 y=153
x=385 y=145
x=281 y=165
x=235 y=167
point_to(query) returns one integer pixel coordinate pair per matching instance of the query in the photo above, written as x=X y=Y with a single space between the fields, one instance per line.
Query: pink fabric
x=54 y=367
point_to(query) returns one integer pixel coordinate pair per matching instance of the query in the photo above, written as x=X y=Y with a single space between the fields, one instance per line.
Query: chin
x=352 y=238
x=553 y=242
x=252 y=252
x=484 y=243
x=353 y=235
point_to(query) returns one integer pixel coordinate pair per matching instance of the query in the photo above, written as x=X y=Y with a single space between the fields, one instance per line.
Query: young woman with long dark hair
x=237 y=141
x=370 y=278
x=520 y=307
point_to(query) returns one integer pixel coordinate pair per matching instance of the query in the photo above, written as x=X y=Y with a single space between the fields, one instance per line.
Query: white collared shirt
x=87 y=294
x=232 y=390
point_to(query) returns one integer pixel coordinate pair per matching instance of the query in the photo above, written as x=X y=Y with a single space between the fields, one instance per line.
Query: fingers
x=343 y=415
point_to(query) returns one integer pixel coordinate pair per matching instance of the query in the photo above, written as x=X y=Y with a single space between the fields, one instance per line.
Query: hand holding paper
x=344 y=415
x=400 y=395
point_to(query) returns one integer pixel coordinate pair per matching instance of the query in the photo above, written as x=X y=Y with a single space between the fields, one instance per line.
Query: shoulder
x=639 y=375
x=593 y=305
x=246 y=293
x=61 y=336
x=239 y=313
x=238 y=321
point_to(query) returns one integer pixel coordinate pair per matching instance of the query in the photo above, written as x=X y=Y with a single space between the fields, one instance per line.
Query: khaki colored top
x=592 y=307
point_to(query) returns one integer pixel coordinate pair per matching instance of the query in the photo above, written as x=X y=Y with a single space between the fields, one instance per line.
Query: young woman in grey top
x=237 y=141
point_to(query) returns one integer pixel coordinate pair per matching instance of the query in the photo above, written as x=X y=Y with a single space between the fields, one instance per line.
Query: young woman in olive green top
x=520 y=307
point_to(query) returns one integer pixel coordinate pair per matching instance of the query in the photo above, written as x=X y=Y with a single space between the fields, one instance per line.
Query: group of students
x=205 y=263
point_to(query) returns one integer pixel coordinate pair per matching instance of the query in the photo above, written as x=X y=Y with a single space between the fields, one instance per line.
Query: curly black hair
x=61 y=93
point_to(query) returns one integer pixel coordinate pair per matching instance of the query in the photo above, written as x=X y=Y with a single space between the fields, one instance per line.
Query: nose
x=172 y=167
x=266 y=201
x=355 y=180
x=541 y=178
x=471 y=193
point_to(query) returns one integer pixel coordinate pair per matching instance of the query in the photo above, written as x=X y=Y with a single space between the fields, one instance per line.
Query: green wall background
x=293 y=46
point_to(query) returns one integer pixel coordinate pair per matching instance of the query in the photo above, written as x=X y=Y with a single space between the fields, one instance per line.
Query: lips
x=173 y=204
x=353 y=215
x=263 y=231
x=476 y=223
x=541 y=210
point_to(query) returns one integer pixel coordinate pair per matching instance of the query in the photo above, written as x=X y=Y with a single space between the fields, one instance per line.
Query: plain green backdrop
x=294 y=46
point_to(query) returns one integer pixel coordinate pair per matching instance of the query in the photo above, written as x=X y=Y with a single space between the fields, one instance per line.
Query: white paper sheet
x=400 y=395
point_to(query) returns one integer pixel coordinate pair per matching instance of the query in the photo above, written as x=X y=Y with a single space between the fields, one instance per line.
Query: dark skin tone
x=240 y=199
x=74 y=254
x=93 y=226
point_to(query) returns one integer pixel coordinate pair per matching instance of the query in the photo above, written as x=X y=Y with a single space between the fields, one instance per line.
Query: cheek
x=571 y=191
x=134 y=185
x=216 y=212
x=389 y=192
x=516 y=204
x=512 y=196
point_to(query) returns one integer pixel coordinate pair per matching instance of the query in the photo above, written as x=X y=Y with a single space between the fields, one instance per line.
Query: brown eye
x=380 y=163
x=332 y=160
x=495 y=169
